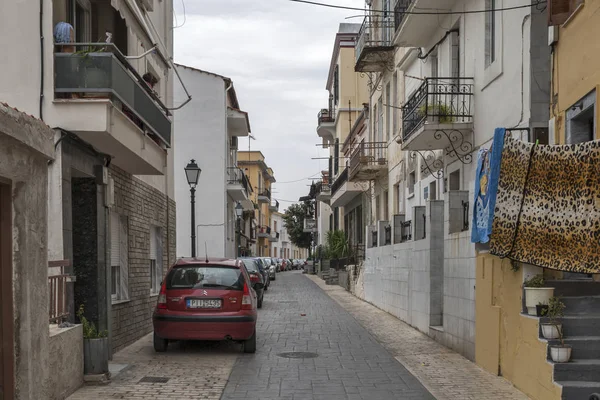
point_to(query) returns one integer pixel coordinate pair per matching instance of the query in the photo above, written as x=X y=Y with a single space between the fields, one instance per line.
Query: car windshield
x=267 y=261
x=251 y=265
x=205 y=276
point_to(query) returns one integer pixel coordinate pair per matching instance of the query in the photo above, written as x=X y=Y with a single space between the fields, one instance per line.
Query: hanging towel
x=486 y=187
x=548 y=206
x=62 y=32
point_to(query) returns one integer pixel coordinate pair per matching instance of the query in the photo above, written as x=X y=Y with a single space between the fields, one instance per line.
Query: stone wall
x=426 y=282
x=65 y=361
x=144 y=207
x=26 y=146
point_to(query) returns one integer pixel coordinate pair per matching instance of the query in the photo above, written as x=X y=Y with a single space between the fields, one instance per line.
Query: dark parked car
x=256 y=277
x=206 y=300
x=264 y=270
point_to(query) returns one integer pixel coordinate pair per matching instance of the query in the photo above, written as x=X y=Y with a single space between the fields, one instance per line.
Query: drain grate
x=154 y=379
x=298 y=354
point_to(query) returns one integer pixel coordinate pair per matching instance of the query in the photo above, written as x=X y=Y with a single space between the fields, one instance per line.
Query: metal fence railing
x=368 y=154
x=57 y=289
x=375 y=31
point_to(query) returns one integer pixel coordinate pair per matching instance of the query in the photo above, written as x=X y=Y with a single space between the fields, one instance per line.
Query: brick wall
x=144 y=207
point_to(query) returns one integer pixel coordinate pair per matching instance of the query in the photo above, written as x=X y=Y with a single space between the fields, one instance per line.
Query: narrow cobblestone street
x=330 y=356
x=347 y=362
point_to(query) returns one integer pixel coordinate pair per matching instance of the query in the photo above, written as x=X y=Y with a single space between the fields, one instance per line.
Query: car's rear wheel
x=250 y=344
x=160 y=344
x=260 y=301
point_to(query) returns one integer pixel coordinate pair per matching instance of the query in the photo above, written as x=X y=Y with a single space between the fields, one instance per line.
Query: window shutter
x=336 y=152
x=558 y=11
x=115 y=241
x=153 y=243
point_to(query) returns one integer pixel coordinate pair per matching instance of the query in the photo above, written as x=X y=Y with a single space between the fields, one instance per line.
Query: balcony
x=264 y=196
x=104 y=100
x=323 y=190
x=374 y=48
x=368 y=161
x=274 y=238
x=326 y=124
x=343 y=191
x=264 y=232
x=415 y=30
x=438 y=115
x=237 y=184
x=274 y=206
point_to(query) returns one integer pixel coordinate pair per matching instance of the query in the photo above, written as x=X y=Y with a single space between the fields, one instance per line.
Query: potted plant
x=436 y=112
x=541 y=309
x=555 y=310
x=536 y=293
x=560 y=353
x=95 y=347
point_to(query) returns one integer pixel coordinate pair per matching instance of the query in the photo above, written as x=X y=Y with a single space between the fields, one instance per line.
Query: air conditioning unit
x=233 y=143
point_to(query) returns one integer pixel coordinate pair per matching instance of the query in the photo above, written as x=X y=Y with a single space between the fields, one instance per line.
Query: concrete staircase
x=579 y=378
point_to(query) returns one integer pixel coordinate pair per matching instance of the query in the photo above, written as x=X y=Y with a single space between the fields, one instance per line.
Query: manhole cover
x=154 y=379
x=298 y=354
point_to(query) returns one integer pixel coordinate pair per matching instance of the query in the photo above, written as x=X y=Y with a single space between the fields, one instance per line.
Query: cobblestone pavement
x=446 y=374
x=195 y=371
x=349 y=363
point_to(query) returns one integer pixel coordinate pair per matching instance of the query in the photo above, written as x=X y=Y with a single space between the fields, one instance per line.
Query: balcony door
x=6 y=304
x=387 y=23
x=82 y=17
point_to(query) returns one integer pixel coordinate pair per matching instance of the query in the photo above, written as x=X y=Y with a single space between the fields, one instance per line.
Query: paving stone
x=446 y=374
x=346 y=351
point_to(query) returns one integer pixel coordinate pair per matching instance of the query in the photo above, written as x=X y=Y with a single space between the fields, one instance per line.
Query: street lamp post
x=238 y=213
x=192 y=173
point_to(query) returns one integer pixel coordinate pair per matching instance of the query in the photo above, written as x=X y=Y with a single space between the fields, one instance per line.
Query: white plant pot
x=550 y=331
x=534 y=296
x=560 y=354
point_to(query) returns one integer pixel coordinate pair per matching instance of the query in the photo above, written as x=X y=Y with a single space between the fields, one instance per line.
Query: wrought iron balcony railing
x=438 y=100
x=339 y=181
x=236 y=176
x=101 y=70
x=274 y=205
x=326 y=115
x=399 y=12
x=376 y=32
x=368 y=154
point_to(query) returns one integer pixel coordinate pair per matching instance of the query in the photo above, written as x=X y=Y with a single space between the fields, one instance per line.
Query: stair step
x=575 y=390
x=581 y=304
x=584 y=347
x=578 y=370
x=579 y=325
x=574 y=287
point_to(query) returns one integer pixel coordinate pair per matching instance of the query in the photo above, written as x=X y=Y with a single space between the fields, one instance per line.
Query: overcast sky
x=277 y=52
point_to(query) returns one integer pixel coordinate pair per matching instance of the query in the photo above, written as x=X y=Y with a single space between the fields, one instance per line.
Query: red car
x=209 y=299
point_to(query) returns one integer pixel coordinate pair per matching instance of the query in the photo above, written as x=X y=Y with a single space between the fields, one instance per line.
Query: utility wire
x=315 y=3
x=298 y=180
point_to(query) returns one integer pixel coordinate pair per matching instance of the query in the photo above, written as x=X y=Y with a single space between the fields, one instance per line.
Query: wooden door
x=6 y=314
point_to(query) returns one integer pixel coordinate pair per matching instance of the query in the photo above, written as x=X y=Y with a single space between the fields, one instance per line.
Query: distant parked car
x=212 y=300
x=253 y=266
x=264 y=270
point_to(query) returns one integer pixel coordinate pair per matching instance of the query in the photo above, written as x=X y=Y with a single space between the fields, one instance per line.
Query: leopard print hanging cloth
x=548 y=206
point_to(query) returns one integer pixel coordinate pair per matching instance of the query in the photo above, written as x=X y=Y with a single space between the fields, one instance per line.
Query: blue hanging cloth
x=62 y=32
x=486 y=188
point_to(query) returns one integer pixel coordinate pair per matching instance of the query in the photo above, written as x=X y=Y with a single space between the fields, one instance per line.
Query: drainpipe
x=226 y=244
x=41 y=59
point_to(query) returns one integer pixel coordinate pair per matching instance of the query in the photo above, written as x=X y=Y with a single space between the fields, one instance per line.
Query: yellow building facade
x=507 y=341
x=260 y=177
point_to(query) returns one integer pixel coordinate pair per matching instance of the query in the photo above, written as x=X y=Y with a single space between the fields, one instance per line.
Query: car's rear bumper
x=194 y=327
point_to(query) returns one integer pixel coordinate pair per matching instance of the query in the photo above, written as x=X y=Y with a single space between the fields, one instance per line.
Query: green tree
x=293 y=221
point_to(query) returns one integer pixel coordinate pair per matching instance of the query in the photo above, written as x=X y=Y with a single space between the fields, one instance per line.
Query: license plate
x=203 y=303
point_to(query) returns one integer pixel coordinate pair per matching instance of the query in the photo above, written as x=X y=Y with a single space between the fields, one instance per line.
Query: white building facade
x=208 y=130
x=440 y=85
x=111 y=208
